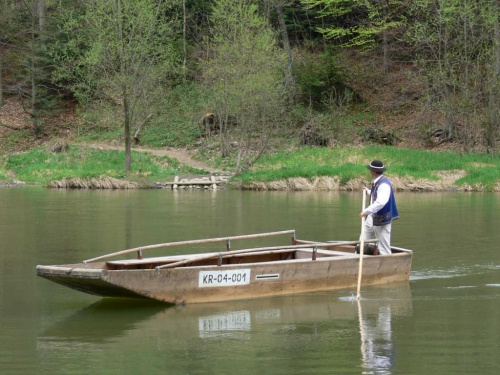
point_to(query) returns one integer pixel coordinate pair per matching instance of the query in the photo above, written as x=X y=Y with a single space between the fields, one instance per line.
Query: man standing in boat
x=382 y=209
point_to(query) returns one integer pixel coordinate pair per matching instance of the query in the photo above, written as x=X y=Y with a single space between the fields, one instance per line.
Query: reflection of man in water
x=376 y=342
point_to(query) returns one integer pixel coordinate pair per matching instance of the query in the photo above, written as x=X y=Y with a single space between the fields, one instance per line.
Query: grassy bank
x=301 y=169
x=412 y=168
x=43 y=165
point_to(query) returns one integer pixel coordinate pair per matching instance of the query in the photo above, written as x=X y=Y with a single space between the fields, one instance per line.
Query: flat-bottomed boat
x=300 y=267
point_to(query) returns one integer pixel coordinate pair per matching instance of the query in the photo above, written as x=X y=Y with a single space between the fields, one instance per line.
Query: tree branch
x=12 y=127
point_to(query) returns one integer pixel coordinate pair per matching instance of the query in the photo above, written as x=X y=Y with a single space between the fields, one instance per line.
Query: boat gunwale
x=68 y=270
x=328 y=255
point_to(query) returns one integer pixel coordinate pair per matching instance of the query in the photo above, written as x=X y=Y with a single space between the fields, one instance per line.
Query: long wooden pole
x=361 y=247
x=192 y=242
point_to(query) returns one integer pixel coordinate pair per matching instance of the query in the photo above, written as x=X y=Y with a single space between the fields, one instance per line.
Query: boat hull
x=210 y=283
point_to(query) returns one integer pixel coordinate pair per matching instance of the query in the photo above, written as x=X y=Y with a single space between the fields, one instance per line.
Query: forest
x=242 y=77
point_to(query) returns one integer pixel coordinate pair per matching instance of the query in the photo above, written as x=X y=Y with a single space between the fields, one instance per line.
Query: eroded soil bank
x=445 y=182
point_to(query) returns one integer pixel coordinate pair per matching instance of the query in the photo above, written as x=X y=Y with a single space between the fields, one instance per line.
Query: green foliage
x=95 y=50
x=68 y=53
x=357 y=22
x=457 y=50
x=128 y=49
x=27 y=32
x=42 y=166
x=245 y=74
x=178 y=120
x=320 y=80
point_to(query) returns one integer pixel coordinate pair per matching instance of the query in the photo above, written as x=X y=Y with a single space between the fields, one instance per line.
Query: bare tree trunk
x=492 y=128
x=1 y=80
x=450 y=122
x=290 y=80
x=444 y=72
x=223 y=133
x=125 y=94
x=140 y=127
x=184 y=61
x=466 y=88
x=41 y=16
x=386 y=64
x=3 y=9
x=238 y=161
x=244 y=143
x=128 y=140
x=223 y=118
x=35 y=116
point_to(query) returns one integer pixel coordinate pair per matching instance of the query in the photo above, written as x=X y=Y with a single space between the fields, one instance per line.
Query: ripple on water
x=452 y=272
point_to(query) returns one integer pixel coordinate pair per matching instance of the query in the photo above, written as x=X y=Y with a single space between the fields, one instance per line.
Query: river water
x=446 y=320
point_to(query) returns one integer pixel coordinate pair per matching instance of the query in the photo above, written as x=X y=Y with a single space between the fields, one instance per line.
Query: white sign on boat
x=224 y=278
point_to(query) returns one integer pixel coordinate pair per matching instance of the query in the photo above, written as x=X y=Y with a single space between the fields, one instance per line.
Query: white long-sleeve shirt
x=383 y=195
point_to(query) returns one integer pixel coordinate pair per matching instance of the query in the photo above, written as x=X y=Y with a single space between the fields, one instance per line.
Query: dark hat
x=376 y=166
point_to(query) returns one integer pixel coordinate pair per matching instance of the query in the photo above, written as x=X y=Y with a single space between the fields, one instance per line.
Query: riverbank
x=345 y=169
x=302 y=169
x=446 y=183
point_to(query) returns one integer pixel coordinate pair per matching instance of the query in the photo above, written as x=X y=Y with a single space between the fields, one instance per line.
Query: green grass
x=349 y=162
x=40 y=166
x=177 y=133
x=101 y=135
x=3 y=174
x=12 y=140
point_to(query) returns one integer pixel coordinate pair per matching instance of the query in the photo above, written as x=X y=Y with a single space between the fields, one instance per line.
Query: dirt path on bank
x=183 y=156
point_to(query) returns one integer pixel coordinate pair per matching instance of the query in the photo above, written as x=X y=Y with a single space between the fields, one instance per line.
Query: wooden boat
x=302 y=266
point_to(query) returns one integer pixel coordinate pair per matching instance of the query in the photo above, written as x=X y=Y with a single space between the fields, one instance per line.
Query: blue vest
x=389 y=212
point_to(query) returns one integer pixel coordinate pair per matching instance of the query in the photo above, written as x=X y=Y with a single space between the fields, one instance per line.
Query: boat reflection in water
x=282 y=324
x=233 y=321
